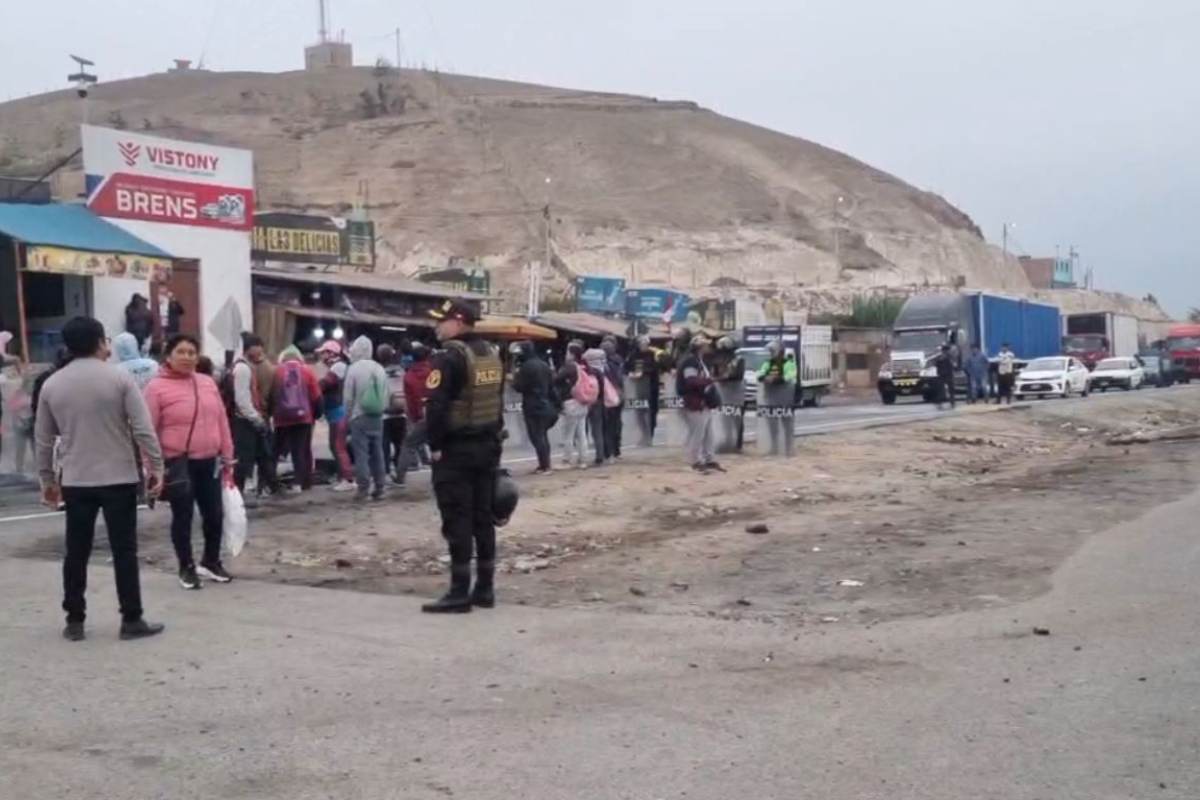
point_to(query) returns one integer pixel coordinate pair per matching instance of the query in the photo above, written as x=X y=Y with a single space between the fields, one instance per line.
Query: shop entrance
x=183 y=289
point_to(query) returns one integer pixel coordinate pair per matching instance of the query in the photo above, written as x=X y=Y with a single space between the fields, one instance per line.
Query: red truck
x=1183 y=343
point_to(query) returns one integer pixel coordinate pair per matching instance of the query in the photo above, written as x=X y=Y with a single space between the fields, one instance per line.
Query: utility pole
x=398 y=63
x=324 y=16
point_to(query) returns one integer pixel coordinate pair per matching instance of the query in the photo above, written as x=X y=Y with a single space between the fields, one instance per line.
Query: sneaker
x=141 y=629
x=398 y=481
x=715 y=467
x=699 y=467
x=542 y=471
x=214 y=572
x=360 y=495
x=378 y=494
x=188 y=578
x=345 y=486
x=294 y=490
x=74 y=632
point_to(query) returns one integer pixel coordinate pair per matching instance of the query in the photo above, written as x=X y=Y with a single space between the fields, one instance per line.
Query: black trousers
x=205 y=494
x=538 y=428
x=118 y=503
x=946 y=391
x=464 y=482
x=613 y=426
x=394 y=431
x=252 y=448
x=1006 y=389
x=296 y=441
x=595 y=421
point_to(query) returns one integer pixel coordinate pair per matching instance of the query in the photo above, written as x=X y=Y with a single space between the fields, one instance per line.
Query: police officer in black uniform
x=464 y=416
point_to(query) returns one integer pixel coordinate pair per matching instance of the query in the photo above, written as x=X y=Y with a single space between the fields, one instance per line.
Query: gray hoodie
x=363 y=369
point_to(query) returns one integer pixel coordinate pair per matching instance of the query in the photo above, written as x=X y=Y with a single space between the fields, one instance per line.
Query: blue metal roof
x=70 y=227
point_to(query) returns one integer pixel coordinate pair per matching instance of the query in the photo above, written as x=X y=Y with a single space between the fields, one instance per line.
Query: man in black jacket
x=533 y=379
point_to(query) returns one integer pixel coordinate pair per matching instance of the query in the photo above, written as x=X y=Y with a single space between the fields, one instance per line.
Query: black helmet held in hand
x=504 y=498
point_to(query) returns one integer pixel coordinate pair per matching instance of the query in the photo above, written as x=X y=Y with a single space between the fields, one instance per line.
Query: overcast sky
x=1076 y=120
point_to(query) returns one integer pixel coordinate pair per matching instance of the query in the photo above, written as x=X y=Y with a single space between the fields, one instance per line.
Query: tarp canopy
x=70 y=228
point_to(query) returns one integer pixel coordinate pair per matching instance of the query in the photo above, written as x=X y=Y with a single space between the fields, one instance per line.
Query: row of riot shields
x=773 y=425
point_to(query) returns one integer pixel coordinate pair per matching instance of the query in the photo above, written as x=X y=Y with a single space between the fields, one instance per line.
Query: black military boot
x=458 y=599
x=484 y=594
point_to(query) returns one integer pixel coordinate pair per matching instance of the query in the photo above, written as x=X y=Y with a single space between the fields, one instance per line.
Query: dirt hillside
x=456 y=166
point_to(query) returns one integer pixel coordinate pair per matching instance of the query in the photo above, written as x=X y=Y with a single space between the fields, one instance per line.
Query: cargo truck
x=1093 y=337
x=1183 y=343
x=811 y=344
x=926 y=322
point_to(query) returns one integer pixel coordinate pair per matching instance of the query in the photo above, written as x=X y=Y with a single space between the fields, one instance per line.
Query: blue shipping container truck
x=1032 y=330
x=928 y=321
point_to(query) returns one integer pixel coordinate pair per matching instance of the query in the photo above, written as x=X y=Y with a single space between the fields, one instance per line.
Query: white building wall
x=224 y=258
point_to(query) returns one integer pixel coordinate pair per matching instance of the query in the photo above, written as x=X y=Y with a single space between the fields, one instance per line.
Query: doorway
x=183 y=290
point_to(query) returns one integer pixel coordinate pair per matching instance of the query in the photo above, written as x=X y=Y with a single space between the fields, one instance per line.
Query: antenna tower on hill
x=327 y=53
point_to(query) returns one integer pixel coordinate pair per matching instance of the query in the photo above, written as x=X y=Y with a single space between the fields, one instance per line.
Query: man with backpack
x=394 y=423
x=296 y=403
x=580 y=391
x=366 y=398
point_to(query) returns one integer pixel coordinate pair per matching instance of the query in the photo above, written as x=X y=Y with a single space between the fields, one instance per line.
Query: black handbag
x=177 y=481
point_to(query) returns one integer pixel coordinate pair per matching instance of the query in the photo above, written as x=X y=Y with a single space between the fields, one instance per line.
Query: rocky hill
x=654 y=191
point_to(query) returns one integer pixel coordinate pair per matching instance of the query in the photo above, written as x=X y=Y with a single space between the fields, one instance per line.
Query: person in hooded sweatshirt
x=366 y=398
x=613 y=423
x=597 y=363
x=130 y=359
x=534 y=380
x=295 y=406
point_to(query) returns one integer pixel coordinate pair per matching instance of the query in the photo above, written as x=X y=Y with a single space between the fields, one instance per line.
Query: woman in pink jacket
x=189 y=418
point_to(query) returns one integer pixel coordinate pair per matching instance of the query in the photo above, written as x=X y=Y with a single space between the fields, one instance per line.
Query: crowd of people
x=114 y=427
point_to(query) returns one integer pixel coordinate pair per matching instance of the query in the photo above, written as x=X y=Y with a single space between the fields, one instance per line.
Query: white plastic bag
x=234 y=537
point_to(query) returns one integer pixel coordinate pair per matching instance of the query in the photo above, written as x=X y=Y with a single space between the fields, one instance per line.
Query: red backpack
x=293 y=404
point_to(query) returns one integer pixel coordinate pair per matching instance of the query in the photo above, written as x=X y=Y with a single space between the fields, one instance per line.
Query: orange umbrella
x=513 y=328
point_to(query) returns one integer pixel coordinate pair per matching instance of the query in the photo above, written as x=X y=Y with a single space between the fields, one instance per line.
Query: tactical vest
x=480 y=404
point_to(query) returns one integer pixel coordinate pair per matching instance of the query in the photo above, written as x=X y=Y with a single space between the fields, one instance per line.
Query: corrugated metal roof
x=72 y=228
x=365 y=280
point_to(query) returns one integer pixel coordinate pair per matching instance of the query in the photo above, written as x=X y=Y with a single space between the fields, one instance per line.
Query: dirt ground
x=918 y=520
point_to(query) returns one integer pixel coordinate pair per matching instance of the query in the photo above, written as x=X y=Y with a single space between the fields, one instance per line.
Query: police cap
x=456 y=309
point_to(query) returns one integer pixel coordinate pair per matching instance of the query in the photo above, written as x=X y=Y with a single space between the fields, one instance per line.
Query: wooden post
x=24 y=328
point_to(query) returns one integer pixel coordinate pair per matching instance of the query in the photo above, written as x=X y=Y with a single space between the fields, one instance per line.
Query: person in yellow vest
x=464 y=419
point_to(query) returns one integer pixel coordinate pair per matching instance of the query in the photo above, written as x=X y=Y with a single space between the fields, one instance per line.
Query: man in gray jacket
x=94 y=407
x=366 y=398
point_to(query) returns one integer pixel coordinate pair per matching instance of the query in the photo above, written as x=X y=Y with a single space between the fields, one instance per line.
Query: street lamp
x=1004 y=240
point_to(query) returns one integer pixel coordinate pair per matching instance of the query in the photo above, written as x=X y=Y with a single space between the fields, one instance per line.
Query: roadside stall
x=53 y=261
x=307 y=307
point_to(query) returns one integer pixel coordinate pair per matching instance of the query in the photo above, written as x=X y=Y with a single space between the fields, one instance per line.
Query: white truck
x=1099 y=335
x=812 y=345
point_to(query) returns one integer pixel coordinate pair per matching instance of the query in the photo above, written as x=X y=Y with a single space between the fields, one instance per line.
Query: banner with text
x=132 y=176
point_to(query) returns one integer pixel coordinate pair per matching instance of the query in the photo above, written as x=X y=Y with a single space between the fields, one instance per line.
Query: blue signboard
x=654 y=303
x=600 y=294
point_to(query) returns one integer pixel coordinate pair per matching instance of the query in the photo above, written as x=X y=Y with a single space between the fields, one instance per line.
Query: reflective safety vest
x=480 y=404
